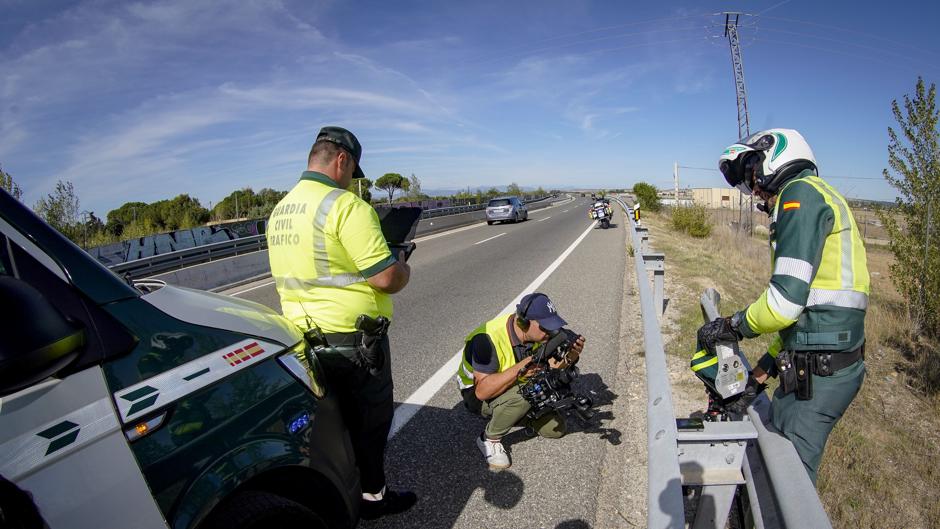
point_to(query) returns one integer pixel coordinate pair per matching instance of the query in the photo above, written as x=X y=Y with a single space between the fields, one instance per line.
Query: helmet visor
x=732 y=171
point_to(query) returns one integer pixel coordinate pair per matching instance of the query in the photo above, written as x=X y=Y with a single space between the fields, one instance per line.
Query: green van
x=138 y=404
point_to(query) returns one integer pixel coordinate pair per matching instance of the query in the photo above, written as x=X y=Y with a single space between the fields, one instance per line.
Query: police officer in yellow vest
x=496 y=354
x=817 y=297
x=331 y=264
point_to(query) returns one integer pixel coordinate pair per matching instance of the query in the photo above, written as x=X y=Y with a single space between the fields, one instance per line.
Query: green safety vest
x=818 y=292
x=496 y=330
x=323 y=242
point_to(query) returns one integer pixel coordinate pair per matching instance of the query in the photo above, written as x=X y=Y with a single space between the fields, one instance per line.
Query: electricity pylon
x=744 y=120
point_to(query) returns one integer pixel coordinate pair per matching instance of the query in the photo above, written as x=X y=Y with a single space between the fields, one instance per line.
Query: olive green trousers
x=509 y=409
x=807 y=423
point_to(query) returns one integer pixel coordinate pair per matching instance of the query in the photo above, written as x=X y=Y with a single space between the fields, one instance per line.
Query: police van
x=142 y=405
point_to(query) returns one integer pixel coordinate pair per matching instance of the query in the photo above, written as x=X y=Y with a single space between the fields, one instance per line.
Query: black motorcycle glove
x=752 y=390
x=717 y=330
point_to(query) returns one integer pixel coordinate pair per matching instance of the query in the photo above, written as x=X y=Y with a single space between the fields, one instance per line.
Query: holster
x=804 y=375
x=372 y=331
x=786 y=372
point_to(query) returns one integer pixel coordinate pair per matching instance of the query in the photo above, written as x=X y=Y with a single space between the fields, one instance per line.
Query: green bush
x=692 y=220
x=646 y=195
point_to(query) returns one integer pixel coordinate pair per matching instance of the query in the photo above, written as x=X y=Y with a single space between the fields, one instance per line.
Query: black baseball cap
x=346 y=140
x=537 y=306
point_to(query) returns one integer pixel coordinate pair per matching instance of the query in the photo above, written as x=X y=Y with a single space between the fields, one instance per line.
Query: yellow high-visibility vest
x=496 y=330
x=323 y=242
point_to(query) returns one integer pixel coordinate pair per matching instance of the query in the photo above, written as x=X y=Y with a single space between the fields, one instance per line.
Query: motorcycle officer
x=817 y=297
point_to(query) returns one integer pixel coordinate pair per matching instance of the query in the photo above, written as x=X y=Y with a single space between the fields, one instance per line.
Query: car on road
x=506 y=209
x=139 y=404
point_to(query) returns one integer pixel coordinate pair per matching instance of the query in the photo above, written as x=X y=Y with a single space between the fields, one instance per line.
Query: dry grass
x=882 y=463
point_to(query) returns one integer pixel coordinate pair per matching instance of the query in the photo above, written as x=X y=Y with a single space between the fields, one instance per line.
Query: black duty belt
x=826 y=363
x=339 y=339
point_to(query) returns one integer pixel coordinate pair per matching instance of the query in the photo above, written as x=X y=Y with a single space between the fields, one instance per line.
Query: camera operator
x=497 y=356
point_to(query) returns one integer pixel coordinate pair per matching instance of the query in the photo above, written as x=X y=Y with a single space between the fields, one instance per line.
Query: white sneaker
x=494 y=453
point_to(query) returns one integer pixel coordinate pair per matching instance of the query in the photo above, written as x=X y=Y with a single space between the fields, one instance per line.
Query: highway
x=461 y=278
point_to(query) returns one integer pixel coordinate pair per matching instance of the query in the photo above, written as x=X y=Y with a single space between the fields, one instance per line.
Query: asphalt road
x=459 y=279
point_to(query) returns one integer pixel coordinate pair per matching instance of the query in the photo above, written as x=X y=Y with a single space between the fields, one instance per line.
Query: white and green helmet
x=774 y=156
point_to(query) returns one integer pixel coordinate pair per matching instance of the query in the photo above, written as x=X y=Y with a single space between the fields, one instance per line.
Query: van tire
x=262 y=510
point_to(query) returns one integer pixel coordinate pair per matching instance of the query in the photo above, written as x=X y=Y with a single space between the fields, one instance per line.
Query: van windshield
x=498 y=202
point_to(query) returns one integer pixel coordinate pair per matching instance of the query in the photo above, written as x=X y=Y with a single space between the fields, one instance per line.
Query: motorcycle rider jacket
x=819 y=287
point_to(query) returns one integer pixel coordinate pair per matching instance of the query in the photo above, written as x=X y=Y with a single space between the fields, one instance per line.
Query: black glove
x=717 y=330
x=752 y=390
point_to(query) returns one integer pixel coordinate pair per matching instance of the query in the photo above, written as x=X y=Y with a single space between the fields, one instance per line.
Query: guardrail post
x=644 y=234
x=656 y=263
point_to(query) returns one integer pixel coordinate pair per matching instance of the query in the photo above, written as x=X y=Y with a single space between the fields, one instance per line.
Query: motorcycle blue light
x=299 y=423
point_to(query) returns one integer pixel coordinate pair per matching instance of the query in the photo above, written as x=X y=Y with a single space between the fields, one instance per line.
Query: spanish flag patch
x=791 y=205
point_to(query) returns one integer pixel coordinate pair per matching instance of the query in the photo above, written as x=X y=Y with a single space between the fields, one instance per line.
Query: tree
x=360 y=187
x=915 y=159
x=238 y=204
x=390 y=183
x=514 y=190
x=6 y=182
x=646 y=195
x=60 y=209
x=120 y=218
x=414 y=189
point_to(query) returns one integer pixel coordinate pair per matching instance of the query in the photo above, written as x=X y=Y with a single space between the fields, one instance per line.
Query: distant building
x=718 y=197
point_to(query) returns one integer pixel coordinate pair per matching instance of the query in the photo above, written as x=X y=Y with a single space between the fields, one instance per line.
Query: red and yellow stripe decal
x=242 y=354
x=791 y=205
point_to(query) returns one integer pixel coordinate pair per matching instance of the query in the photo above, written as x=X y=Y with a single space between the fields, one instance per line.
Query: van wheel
x=263 y=510
x=489 y=223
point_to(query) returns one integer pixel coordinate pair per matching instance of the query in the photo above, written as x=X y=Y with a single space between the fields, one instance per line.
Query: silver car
x=506 y=208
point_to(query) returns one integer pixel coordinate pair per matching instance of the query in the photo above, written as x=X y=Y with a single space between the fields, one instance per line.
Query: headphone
x=522 y=315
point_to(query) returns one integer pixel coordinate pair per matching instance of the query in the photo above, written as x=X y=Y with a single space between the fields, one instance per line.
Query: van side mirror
x=36 y=340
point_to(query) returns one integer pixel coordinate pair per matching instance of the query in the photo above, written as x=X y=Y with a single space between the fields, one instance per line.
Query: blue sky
x=143 y=101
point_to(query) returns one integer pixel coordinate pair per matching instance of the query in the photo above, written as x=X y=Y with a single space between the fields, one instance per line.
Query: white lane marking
x=490 y=239
x=256 y=287
x=448 y=232
x=565 y=210
x=407 y=410
x=546 y=218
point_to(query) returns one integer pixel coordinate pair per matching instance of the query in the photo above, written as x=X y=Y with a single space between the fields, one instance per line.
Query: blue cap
x=536 y=306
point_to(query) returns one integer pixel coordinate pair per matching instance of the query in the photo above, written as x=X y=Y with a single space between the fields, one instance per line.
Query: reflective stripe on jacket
x=818 y=292
x=498 y=333
x=323 y=242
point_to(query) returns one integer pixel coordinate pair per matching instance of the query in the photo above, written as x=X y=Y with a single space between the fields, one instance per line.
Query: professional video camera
x=548 y=379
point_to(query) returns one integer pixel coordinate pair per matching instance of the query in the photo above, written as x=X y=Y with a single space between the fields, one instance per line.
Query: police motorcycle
x=601 y=212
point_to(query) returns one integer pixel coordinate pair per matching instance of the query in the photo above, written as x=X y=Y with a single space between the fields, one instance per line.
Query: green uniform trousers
x=509 y=409
x=807 y=423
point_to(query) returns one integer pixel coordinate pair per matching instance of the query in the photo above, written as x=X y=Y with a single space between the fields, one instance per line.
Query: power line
x=841 y=52
x=619 y=26
x=837 y=28
x=699 y=168
x=775 y=6
x=536 y=51
x=905 y=56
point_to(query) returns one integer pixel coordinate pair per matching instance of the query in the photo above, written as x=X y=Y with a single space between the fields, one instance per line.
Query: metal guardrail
x=156 y=264
x=664 y=499
x=723 y=455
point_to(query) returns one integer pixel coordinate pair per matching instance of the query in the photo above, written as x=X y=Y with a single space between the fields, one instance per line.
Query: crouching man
x=496 y=358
